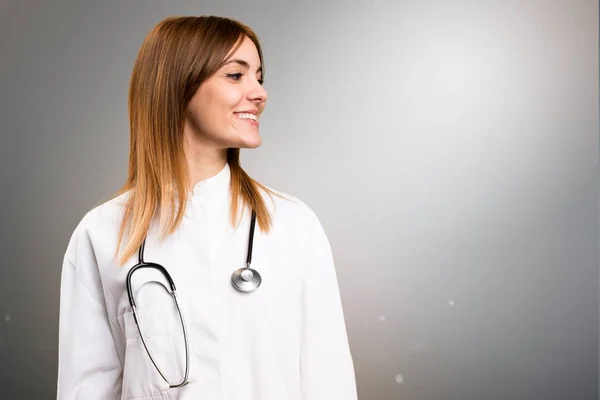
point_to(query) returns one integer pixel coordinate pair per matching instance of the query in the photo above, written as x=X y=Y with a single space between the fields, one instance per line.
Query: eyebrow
x=243 y=64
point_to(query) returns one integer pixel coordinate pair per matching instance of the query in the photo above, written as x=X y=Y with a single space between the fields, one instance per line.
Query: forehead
x=247 y=52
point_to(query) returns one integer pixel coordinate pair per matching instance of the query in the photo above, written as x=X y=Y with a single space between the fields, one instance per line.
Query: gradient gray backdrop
x=450 y=149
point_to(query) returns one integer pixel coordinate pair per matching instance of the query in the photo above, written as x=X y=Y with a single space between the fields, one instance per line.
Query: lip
x=247 y=112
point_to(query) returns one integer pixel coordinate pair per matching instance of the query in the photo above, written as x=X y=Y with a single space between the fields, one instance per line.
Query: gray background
x=450 y=149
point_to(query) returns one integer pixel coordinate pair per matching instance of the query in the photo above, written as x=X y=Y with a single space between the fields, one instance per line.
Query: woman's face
x=218 y=115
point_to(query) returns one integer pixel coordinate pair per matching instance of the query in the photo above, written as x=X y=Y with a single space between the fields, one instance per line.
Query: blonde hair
x=177 y=55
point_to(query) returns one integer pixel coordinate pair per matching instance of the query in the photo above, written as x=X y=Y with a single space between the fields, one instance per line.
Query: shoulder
x=101 y=221
x=287 y=209
x=295 y=220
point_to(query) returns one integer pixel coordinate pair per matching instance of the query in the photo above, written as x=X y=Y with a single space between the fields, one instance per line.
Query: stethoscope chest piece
x=246 y=279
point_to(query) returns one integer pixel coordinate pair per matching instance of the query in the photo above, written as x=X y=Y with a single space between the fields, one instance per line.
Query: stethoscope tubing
x=243 y=279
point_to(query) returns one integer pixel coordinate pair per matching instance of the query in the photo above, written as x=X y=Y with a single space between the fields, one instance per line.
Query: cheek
x=231 y=100
x=196 y=117
x=213 y=110
x=226 y=95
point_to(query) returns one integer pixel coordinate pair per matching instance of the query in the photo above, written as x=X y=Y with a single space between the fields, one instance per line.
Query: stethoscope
x=244 y=279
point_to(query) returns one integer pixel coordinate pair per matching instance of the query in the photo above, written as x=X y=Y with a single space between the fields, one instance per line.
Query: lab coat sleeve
x=326 y=365
x=88 y=365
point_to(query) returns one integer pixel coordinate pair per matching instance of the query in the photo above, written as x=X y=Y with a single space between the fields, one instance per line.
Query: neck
x=203 y=165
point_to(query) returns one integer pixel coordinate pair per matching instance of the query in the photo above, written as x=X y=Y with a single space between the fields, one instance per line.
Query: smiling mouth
x=246 y=118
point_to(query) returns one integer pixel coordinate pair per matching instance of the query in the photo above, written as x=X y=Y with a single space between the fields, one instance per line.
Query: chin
x=250 y=142
x=253 y=145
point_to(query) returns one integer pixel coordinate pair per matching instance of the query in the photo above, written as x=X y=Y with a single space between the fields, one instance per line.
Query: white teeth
x=247 y=116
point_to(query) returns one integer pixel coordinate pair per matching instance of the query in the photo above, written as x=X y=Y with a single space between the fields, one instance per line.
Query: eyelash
x=261 y=81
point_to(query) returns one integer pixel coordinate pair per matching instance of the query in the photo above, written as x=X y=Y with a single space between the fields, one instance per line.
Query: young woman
x=195 y=281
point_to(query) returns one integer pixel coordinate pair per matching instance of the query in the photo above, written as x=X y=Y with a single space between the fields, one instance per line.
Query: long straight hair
x=177 y=55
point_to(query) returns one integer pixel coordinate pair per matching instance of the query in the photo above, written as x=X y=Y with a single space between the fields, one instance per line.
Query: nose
x=257 y=92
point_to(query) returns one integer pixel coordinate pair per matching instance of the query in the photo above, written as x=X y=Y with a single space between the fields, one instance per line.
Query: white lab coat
x=286 y=340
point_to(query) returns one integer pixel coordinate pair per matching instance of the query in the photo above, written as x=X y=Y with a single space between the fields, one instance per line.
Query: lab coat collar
x=212 y=191
x=216 y=186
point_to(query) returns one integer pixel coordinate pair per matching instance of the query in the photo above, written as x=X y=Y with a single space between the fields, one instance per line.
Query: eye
x=238 y=76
